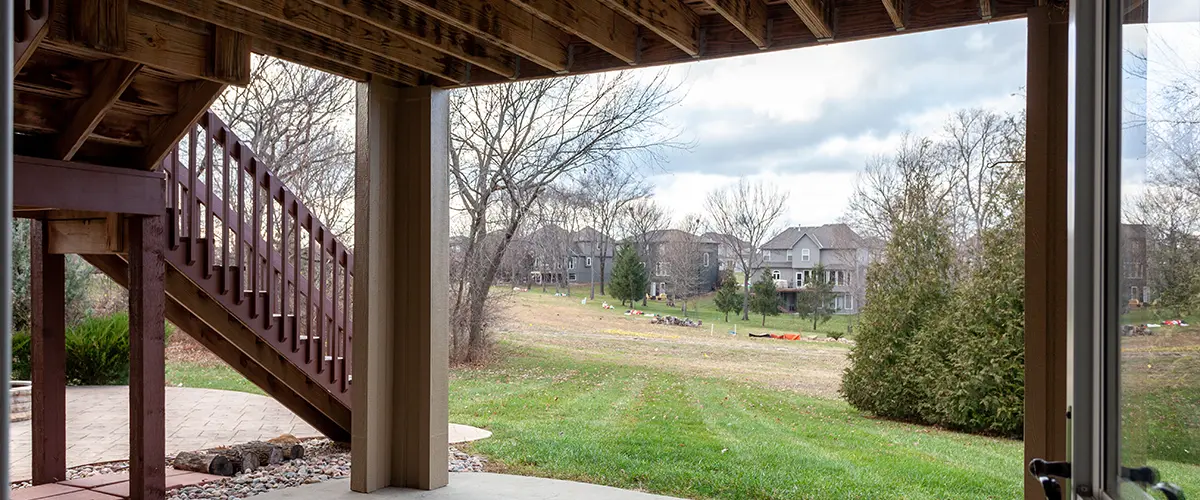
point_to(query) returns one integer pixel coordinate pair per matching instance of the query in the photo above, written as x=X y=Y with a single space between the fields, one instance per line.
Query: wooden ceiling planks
x=186 y=51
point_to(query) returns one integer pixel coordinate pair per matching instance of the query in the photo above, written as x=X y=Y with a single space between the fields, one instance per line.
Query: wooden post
x=48 y=356
x=147 y=309
x=400 y=390
x=1046 y=241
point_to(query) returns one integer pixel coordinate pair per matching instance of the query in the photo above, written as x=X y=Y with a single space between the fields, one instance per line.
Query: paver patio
x=98 y=424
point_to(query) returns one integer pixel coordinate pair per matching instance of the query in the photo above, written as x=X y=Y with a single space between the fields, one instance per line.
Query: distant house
x=574 y=257
x=662 y=246
x=792 y=254
x=589 y=247
x=1135 y=290
x=727 y=253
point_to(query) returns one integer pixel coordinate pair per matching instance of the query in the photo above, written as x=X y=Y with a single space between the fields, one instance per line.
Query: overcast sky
x=808 y=119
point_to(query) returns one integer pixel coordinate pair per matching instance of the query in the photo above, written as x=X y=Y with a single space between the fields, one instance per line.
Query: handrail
x=241 y=212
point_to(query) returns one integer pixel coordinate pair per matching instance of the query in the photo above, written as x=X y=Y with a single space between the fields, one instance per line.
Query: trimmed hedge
x=97 y=352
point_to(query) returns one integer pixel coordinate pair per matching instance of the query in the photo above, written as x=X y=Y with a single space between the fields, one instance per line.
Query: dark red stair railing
x=244 y=238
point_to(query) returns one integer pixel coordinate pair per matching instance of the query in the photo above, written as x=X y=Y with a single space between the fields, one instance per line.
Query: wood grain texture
x=48 y=328
x=100 y=24
x=109 y=82
x=1046 y=190
x=147 y=362
x=748 y=16
x=269 y=48
x=670 y=19
x=43 y=183
x=815 y=16
x=895 y=10
x=592 y=21
x=503 y=24
x=318 y=19
x=257 y=26
x=402 y=20
x=229 y=59
x=154 y=43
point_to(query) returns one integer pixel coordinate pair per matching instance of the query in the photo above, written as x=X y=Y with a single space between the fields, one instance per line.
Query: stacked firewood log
x=231 y=460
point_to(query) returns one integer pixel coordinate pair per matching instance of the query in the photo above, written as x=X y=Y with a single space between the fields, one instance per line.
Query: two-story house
x=792 y=254
x=559 y=255
x=727 y=251
x=677 y=259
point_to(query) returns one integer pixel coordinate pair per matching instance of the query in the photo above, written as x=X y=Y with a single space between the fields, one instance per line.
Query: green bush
x=20 y=356
x=941 y=340
x=97 y=352
x=78 y=272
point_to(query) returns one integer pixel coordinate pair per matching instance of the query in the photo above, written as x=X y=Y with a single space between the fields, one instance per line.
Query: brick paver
x=98 y=424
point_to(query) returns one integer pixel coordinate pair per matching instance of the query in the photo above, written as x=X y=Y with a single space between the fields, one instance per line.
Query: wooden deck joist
x=40 y=183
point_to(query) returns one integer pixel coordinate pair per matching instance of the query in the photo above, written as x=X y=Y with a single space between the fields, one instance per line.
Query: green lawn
x=654 y=430
x=208 y=376
x=703 y=308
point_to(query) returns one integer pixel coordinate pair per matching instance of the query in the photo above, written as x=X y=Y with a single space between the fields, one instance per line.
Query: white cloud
x=813 y=198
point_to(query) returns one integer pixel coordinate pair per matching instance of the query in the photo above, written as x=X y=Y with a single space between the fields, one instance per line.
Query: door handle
x=1046 y=472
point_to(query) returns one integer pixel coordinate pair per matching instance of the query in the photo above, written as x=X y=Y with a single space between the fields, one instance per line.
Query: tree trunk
x=746 y=300
x=206 y=463
x=293 y=452
x=264 y=453
x=764 y=323
x=240 y=460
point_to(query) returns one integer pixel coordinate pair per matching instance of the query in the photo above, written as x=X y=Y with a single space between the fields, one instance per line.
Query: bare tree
x=557 y=219
x=605 y=191
x=879 y=201
x=641 y=219
x=299 y=121
x=510 y=143
x=745 y=215
x=982 y=151
x=683 y=258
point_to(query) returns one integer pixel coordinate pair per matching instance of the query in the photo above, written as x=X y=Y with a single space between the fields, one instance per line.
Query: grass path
x=653 y=430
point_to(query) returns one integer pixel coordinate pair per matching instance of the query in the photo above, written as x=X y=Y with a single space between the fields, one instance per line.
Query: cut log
x=293 y=452
x=264 y=453
x=206 y=463
x=241 y=460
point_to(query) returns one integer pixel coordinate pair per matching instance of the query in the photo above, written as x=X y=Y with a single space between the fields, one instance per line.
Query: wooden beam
x=147 y=397
x=400 y=397
x=592 y=21
x=323 y=21
x=194 y=100
x=258 y=26
x=48 y=330
x=269 y=48
x=113 y=77
x=1046 y=190
x=748 y=16
x=100 y=24
x=671 y=19
x=815 y=16
x=895 y=10
x=84 y=233
x=985 y=10
x=230 y=59
x=31 y=25
x=394 y=17
x=503 y=24
x=42 y=183
x=154 y=43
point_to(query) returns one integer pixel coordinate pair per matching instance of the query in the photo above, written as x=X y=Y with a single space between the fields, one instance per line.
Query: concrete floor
x=471 y=486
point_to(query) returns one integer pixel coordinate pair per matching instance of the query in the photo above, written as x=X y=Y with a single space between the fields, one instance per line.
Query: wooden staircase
x=255 y=277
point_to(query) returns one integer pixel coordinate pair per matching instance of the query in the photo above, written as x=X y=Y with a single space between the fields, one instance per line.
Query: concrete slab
x=460 y=433
x=471 y=486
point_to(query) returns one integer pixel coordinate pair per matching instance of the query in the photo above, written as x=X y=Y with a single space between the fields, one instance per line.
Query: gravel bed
x=323 y=460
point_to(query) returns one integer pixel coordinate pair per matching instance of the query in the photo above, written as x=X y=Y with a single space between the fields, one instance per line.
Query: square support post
x=48 y=326
x=401 y=289
x=1046 y=240
x=147 y=397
